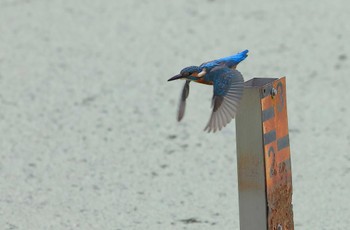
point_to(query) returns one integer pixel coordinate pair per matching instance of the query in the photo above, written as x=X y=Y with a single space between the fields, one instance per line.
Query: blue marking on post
x=268 y=113
x=283 y=142
x=269 y=137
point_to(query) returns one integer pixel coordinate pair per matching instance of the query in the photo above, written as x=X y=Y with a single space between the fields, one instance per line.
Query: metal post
x=263 y=157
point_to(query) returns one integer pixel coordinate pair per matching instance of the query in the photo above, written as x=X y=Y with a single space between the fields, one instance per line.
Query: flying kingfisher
x=228 y=84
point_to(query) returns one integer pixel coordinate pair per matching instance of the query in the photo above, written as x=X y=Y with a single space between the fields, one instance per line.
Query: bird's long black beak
x=175 y=77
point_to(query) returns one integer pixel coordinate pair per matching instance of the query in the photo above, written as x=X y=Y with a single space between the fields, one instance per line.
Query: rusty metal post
x=263 y=157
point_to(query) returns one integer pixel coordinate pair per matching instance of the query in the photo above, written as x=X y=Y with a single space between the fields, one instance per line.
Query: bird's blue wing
x=228 y=90
x=182 y=105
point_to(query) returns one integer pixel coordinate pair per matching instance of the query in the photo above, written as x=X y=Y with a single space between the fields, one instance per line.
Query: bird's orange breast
x=202 y=81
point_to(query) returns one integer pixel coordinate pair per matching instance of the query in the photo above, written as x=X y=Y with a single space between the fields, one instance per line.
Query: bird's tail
x=241 y=56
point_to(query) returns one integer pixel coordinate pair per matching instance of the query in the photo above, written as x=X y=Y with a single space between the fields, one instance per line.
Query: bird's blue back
x=233 y=59
x=229 y=61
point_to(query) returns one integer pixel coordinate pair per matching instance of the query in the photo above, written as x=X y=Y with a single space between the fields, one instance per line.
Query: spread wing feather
x=228 y=91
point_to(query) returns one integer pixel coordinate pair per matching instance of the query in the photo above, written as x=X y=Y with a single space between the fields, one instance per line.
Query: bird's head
x=192 y=73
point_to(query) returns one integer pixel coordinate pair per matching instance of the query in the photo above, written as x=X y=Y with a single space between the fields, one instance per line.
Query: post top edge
x=259 y=82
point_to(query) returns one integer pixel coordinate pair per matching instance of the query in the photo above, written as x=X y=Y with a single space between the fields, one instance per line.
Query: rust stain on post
x=249 y=181
x=277 y=156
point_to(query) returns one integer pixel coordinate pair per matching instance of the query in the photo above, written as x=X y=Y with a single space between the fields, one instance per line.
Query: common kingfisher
x=228 y=84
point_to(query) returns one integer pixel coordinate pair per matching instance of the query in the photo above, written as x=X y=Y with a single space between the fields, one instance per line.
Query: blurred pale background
x=89 y=138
